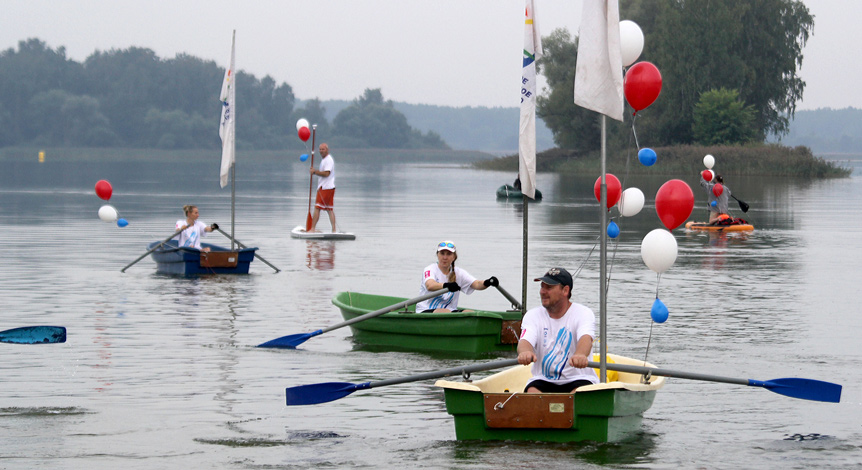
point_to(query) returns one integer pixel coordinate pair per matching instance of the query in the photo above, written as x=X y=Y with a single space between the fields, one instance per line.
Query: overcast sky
x=440 y=52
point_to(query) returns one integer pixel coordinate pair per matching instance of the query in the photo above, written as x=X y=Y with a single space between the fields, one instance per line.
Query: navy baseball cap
x=556 y=276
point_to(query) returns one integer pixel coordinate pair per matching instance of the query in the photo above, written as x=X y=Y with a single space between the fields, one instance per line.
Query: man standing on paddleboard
x=325 y=187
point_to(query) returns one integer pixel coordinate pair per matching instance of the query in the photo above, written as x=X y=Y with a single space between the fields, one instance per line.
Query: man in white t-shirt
x=325 y=187
x=557 y=338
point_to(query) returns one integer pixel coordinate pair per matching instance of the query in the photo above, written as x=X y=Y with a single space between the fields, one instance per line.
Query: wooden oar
x=509 y=297
x=292 y=341
x=34 y=335
x=742 y=204
x=308 y=220
x=152 y=250
x=805 y=389
x=331 y=391
x=243 y=246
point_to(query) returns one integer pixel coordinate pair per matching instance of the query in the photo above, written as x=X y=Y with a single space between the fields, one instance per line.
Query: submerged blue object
x=303 y=157
x=613 y=229
x=34 y=335
x=647 y=156
x=659 y=311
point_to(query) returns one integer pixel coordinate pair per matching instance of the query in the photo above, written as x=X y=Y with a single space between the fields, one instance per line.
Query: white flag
x=527 y=132
x=227 y=129
x=599 y=74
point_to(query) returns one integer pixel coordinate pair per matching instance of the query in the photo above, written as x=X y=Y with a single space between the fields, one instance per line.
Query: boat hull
x=507 y=191
x=610 y=412
x=299 y=232
x=475 y=332
x=171 y=259
x=703 y=226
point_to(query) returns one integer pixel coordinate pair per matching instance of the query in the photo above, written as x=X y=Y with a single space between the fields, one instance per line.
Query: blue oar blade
x=806 y=389
x=321 y=393
x=34 y=335
x=289 y=341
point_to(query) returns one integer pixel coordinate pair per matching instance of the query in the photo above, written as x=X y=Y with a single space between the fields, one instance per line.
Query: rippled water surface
x=163 y=372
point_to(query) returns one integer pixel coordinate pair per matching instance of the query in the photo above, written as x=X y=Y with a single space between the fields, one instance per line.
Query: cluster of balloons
x=107 y=212
x=674 y=200
x=303 y=130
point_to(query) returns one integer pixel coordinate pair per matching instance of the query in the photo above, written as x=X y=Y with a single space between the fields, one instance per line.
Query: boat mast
x=524 y=261
x=232 y=195
x=603 y=291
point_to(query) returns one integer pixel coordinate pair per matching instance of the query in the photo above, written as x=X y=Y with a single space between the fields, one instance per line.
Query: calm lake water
x=163 y=372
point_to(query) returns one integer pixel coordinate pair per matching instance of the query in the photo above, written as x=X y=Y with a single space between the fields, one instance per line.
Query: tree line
x=729 y=74
x=133 y=98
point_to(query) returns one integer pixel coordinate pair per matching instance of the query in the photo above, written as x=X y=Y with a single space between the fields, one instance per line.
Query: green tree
x=314 y=112
x=573 y=127
x=373 y=122
x=754 y=47
x=721 y=118
x=32 y=69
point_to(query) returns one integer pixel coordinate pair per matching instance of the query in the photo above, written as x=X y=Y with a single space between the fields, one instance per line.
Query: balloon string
x=657 y=282
x=634 y=130
x=649 y=340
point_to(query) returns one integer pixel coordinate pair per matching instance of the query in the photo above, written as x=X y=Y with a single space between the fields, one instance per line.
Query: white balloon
x=708 y=162
x=631 y=202
x=301 y=123
x=658 y=250
x=108 y=214
x=631 y=41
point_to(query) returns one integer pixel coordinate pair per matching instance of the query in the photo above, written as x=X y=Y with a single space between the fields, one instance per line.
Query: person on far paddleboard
x=193 y=229
x=444 y=275
x=717 y=203
x=325 y=187
x=557 y=338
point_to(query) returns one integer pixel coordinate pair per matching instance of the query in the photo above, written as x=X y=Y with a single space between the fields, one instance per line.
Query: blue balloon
x=613 y=229
x=122 y=222
x=659 y=311
x=647 y=156
x=303 y=157
x=713 y=203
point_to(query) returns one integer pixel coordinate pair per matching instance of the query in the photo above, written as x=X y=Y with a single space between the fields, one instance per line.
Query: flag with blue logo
x=527 y=130
x=227 y=127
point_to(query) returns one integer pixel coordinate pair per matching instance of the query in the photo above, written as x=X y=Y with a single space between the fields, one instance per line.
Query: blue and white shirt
x=448 y=300
x=555 y=341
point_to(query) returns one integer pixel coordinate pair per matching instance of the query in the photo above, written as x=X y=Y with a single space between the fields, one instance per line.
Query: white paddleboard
x=299 y=232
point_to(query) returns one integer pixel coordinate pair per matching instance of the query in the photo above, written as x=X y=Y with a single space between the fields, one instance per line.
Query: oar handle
x=388 y=309
x=447 y=372
x=509 y=297
x=244 y=246
x=152 y=250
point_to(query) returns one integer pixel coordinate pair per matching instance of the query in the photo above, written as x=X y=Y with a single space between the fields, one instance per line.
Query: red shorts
x=325 y=199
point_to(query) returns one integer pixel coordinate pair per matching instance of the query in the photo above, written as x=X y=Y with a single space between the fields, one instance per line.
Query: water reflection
x=320 y=255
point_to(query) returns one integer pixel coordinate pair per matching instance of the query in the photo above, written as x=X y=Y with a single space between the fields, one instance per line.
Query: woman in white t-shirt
x=193 y=229
x=444 y=275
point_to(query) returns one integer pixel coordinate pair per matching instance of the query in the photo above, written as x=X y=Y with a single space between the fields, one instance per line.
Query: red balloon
x=717 y=189
x=615 y=189
x=706 y=174
x=674 y=202
x=642 y=85
x=304 y=133
x=104 y=189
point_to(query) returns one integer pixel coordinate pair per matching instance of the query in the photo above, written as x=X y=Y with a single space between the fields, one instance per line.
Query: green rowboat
x=489 y=410
x=475 y=332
